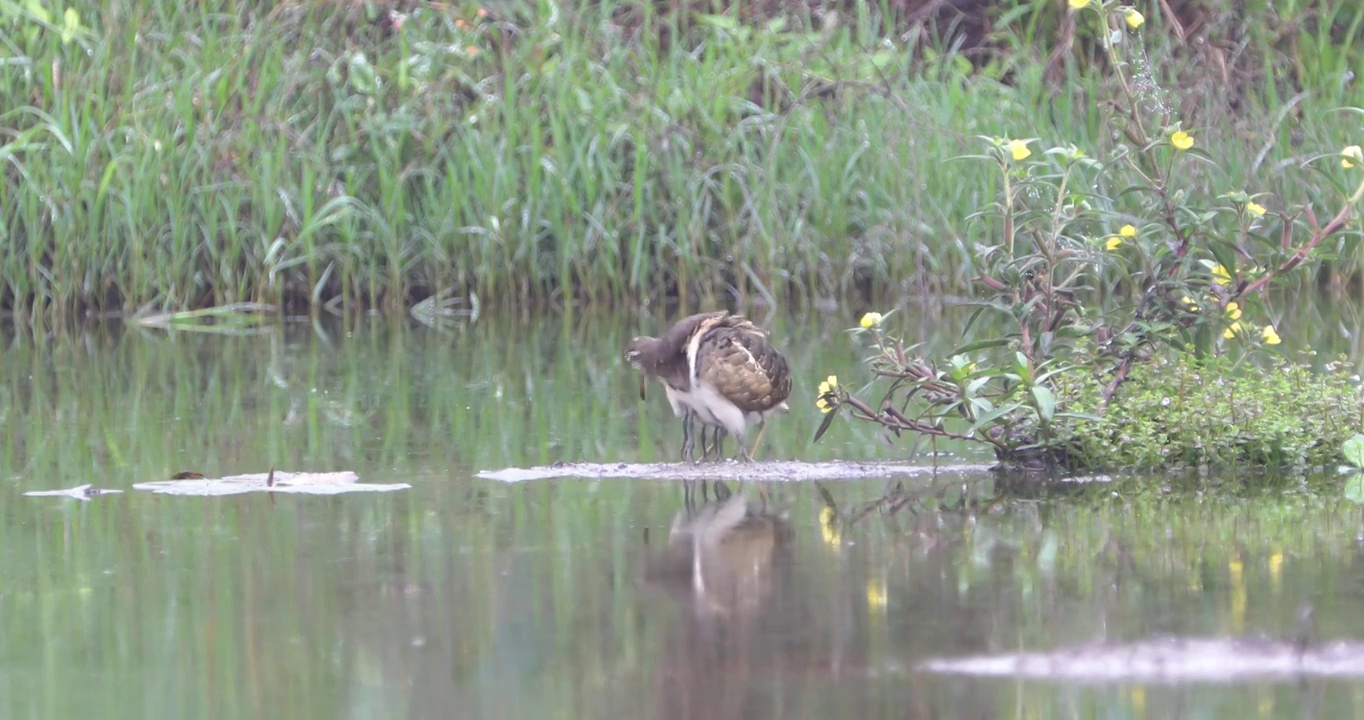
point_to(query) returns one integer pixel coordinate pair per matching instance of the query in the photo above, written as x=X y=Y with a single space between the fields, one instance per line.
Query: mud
x=774 y=471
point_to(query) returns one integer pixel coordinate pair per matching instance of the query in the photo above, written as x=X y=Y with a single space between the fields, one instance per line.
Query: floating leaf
x=329 y=483
x=80 y=492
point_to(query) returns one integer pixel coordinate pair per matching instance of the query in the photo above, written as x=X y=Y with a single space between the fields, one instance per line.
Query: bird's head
x=634 y=352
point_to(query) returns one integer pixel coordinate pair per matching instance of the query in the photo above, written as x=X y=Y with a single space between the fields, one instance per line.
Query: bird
x=665 y=358
x=737 y=377
x=718 y=369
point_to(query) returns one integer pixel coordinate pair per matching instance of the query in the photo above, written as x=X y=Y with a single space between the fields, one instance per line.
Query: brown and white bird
x=737 y=376
x=719 y=369
x=665 y=358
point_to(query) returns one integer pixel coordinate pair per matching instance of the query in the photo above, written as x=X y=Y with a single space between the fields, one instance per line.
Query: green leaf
x=824 y=426
x=71 y=24
x=980 y=344
x=990 y=417
x=1046 y=402
x=1354 y=450
x=1080 y=416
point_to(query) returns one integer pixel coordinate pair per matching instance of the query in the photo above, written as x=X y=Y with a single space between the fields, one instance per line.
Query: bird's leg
x=688 y=431
x=720 y=434
x=704 y=449
x=762 y=428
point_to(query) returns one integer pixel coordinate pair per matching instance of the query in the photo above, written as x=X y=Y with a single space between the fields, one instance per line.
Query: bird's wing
x=743 y=367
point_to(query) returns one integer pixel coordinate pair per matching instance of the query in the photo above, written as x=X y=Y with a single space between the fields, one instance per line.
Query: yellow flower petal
x=833 y=381
x=1230 y=332
x=1134 y=19
x=1127 y=231
x=1270 y=335
x=1233 y=311
x=1255 y=209
x=1019 y=149
x=824 y=388
x=1351 y=155
x=1193 y=306
x=823 y=405
x=1113 y=243
x=871 y=320
x=1220 y=275
x=1078 y=4
x=1181 y=140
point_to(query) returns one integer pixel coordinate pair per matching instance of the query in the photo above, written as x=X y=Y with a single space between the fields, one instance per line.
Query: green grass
x=317 y=155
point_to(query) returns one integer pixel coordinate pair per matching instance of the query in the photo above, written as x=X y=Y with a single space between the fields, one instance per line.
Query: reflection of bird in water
x=723 y=553
x=720 y=369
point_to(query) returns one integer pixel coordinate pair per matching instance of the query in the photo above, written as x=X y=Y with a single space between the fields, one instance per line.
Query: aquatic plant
x=1082 y=378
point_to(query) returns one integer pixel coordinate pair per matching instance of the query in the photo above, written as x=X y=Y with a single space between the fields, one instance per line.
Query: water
x=462 y=597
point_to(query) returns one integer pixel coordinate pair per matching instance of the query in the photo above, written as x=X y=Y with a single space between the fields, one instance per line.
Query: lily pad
x=328 y=483
x=80 y=492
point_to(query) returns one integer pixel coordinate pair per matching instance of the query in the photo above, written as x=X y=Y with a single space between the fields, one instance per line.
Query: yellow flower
x=1230 y=332
x=1351 y=155
x=871 y=320
x=1113 y=243
x=1221 y=275
x=1127 y=231
x=1019 y=149
x=1233 y=311
x=1078 y=4
x=825 y=388
x=1181 y=140
x=1255 y=208
x=1188 y=301
x=1269 y=335
x=1134 y=18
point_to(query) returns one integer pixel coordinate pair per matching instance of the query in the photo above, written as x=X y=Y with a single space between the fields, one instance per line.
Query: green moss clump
x=1178 y=412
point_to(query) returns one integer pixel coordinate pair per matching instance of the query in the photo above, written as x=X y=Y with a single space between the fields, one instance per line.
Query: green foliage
x=350 y=154
x=1176 y=412
x=1187 y=270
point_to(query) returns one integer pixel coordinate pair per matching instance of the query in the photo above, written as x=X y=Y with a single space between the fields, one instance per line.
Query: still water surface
x=468 y=598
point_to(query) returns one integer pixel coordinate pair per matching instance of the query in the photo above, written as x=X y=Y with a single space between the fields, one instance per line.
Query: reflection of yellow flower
x=828 y=525
x=1255 y=208
x=871 y=319
x=1181 y=140
x=876 y=594
x=1233 y=311
x=1270 y=335
x=1113 y=243
x=1221 y=275
x=1134 y=19
x=1351 y=155
x=1230 y=332
x=1078 y=4
x=1019 y=149
x=1127 y=231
